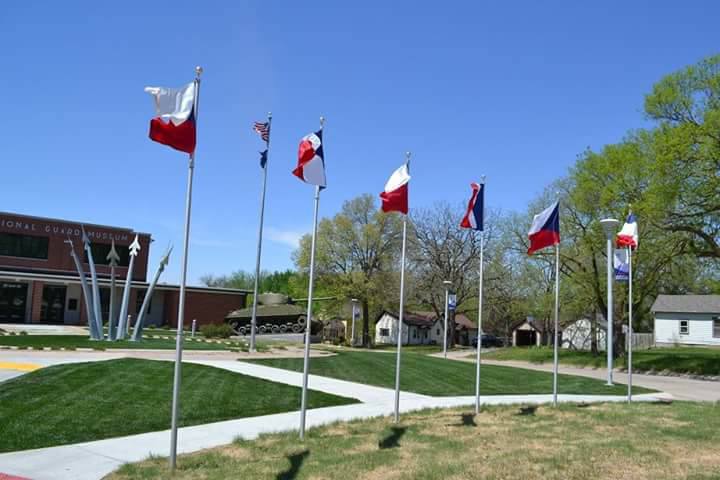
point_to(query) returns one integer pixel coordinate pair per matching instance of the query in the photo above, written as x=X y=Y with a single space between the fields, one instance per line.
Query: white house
x=422 y=328
x=687 y=319
x=578 y=335
x=417 y=329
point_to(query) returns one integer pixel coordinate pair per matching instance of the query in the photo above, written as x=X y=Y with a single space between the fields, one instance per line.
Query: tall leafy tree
x=686 y=176
x=357 y=253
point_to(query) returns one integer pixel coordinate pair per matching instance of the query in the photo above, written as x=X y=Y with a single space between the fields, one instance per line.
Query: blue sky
x=512 y=90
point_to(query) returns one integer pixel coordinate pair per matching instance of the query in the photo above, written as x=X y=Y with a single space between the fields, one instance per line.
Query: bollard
x=194 y=326
x=127 y=325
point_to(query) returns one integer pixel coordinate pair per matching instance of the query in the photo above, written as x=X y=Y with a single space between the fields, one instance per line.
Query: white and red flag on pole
x=474 y=215
x=311 y=160
x=174 y=124
x=545 y=229
x=628 y=236
x=395 y=196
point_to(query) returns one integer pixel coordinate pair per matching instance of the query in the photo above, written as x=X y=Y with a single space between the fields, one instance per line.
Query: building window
x=100 y=252
x=139 y=302
x=414 y=333
x=72 y=304
x=384 y=332
x=684 y=327
x=437 y=332
x=716 y=327
x=25 y=246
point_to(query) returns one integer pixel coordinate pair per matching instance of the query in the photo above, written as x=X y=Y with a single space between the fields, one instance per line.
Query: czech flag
x=174 y=124
x=628 y=236
x=395 y=196
x=474 y=216
x=545 y=229
x=311 y=160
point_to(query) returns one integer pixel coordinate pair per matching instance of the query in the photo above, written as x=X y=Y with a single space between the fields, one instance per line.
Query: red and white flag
x=628 y=236
x=174 y=124
x=311 y=161
x=395 y=196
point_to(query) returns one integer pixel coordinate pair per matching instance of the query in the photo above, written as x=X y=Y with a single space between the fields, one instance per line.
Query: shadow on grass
x=527 y=411
x=392 y=440
x=466 y=420
x=296 y=461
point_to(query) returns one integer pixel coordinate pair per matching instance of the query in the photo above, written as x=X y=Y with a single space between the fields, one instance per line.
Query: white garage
x=687 y=320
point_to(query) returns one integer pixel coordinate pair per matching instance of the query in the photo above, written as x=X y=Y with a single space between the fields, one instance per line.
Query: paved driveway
x=681 y=388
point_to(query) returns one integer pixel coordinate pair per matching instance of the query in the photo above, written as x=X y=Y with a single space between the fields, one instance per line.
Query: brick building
x=40 y=284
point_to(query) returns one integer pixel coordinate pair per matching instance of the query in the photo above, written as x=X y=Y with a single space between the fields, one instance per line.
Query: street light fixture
x=354 y=314
x=610 y=226
x=447 y=284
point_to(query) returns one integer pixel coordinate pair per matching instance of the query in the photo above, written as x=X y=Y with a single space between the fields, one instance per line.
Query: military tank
x=276 y=313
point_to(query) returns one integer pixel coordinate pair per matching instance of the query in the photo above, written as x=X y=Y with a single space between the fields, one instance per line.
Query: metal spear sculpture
x=113 y=259
x=86 y=292
x=97 y=309
x=122 y=321
x=137 y=332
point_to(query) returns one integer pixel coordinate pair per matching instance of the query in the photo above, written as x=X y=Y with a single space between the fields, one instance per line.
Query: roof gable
x=687 y=303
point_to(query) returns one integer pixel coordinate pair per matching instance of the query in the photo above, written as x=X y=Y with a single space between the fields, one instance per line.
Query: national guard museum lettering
x=61 y=230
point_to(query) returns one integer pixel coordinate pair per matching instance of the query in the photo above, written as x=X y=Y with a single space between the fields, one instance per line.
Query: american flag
x=263 y=129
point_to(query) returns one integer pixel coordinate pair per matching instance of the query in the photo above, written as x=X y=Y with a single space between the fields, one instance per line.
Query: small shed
x=415 y=330
x=578 y=334
x=687 y=319
x=530 y=333
x=334 y=330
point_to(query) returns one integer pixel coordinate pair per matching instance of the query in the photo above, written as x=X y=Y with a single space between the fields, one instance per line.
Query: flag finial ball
x=198 y=70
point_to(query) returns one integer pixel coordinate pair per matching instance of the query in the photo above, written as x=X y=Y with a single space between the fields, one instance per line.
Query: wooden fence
x=642 y=341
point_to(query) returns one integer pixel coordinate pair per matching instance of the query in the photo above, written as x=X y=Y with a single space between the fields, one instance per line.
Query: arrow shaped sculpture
x=122 y=321
x=97 y=308
x=94 y=334
x=137 y=332
x=114 y=260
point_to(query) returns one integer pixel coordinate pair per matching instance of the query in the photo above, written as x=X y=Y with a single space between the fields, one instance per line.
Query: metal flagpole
x=253 y=321
x=480 y=304
x=557 y=314
x=401 y=312
x=306 y=359
x=445 y=324
x=181 y=301
x=479 y=335
x=630 y=325
x=400 y=322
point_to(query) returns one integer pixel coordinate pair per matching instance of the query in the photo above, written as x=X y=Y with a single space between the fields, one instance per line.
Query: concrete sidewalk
x=93 y=460
x=681 y=388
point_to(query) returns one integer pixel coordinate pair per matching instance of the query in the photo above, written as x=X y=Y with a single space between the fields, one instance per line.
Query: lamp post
x=354 y=314
x=447 y=284
x=610 y=226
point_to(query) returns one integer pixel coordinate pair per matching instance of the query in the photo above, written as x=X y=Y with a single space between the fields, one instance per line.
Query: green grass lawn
x=603 y=442
x=439 y=377
x=693 y=360
x=427 y=349
x=88 y=401
x=78 y=341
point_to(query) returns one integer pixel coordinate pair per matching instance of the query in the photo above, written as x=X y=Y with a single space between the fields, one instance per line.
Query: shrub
x=217 y=330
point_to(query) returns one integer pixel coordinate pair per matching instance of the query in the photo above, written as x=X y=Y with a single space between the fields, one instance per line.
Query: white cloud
x=289 y=238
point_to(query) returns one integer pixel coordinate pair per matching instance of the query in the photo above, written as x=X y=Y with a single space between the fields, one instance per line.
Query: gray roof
x=687 y=303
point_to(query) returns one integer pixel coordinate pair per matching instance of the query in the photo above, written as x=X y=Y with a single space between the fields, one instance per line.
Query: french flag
x=311 y=160
x=395 y=196
x=474 y=215
x=545 y=229
x=628 y=236
x=174 y=124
